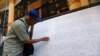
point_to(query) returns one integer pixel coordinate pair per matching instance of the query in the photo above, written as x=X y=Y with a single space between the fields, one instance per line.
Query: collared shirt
x=16 y=36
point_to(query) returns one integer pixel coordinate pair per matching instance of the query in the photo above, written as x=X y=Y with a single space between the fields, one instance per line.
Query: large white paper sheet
x=74 y=34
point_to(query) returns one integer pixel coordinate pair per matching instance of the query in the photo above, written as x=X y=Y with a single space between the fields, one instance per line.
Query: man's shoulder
x=18 y=22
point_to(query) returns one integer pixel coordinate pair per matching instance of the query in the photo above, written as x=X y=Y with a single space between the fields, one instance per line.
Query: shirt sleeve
x=20 y=31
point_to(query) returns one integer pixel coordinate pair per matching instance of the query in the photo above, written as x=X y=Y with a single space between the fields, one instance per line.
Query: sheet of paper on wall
x=74 y=34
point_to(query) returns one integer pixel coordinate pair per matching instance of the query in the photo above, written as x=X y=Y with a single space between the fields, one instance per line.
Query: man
x=17 y=35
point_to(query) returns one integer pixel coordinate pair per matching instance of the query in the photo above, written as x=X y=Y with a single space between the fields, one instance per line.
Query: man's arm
x=23 y=36
x=37 y=40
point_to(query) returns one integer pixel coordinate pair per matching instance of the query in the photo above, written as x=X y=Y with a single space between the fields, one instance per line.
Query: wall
x=74 y=4
x=2 y=3
x=7 y=6
x=74 y=34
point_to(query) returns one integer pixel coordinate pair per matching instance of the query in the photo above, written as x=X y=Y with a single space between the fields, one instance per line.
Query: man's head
x=32 y=17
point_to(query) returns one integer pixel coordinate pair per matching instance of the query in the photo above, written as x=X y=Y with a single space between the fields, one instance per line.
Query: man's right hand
x=45 y=39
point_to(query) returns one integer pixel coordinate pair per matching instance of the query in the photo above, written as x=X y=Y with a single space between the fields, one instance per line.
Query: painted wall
x=74 y=34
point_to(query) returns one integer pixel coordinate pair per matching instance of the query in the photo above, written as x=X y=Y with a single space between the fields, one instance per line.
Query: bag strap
x=30 y=35
x=24 y=24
